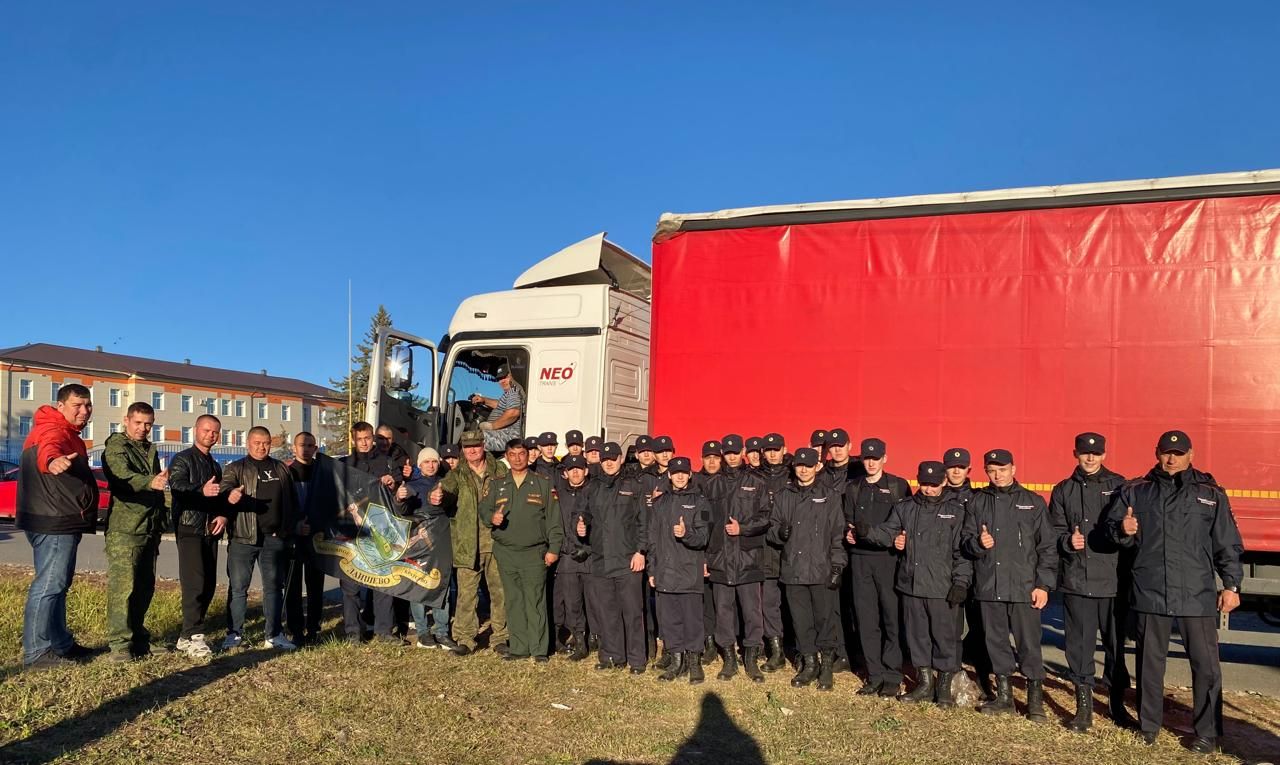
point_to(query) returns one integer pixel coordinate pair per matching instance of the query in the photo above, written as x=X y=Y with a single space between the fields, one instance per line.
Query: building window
x=87 y=433
x=157 y=434
x=226 y=436
x=187 y=404
x=114 y=397
x=157 y=401
x=239 y=408
x=239 y=438
x=24 y=425
x=24 y=390
x=186 y=435
x=263 y=410
x=226 y=407
x=53 y=391
x=286 y=412
x=115 y=428
x=208 y=405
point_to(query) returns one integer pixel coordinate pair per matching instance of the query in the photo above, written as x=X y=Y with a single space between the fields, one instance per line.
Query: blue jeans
x=44 y=622
x=273 y=558
x=440 y=617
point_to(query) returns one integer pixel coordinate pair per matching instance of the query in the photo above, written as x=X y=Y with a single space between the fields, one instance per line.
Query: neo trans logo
x=555 y=375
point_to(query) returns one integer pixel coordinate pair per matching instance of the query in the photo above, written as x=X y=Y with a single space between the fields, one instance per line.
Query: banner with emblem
x=358 y=536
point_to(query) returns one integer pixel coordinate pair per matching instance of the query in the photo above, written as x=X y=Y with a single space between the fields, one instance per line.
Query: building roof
x=99 y=361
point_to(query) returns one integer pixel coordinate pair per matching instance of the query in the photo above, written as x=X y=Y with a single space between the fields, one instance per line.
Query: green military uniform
x=134 y=522
x=473 y=552
x=531 y=528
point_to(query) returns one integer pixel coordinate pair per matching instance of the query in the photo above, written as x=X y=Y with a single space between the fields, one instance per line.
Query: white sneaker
x=195 y=647
x=279 y=642
x=233 y=640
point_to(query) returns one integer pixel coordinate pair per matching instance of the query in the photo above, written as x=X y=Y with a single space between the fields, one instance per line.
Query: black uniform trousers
x=771 y=607
x=932 y=626
x=973 y=644
x=1085 y=617
x=198 y=577
x=570 y=593
x=812 y=617
x=875 y=607
x=383 y=609
x=1200 y=637
x=999 y=621
x=617 y=613
x=305 y=572
x=680 y=621
x=708 y=608
x=732 y=600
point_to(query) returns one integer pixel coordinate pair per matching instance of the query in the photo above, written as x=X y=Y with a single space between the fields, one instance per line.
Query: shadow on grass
x=76 y=732
x=716 y=739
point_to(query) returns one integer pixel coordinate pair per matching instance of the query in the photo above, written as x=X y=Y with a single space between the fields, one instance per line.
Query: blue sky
x=201 y=179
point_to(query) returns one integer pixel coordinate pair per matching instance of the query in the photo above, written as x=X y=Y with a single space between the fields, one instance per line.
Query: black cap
x=449 y=450
x=593 y=444
x=574 y=461
x=931 y=473
x=644 y=444
x=1174 y=441
x=837 y=437
x=998 y=457
x=773 y=441
x=755 y=444
x=610 y=450
x=531 y=442
x=712 y=447
x=663 y=444
x=504 y=370
x=806 y=457
x=679 y=465
x=1091 y=443
x=547 y=439
x=732 y=443
x=872 y=447
x=573 y=438
x=818 y=438
x=956 y=457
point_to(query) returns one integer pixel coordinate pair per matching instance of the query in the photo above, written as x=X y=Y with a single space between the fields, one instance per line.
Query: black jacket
x=735 y=560
x=615 y=520
x=963 y=492
x=377 y=464
x=1082 y=500
x=573 y=502
x=837 y=478
x=189 y=470
x=1186 y=533
x=775 y=478
x=867 y=505
x=56 y=504
x=676 y=564
x=244 y=514
x=652 y=480
x=813 y=551
x=548 y=469
x=932 y=561
x=1025 y=555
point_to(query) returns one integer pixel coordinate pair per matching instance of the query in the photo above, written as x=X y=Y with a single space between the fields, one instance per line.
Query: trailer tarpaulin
x=1009 y=329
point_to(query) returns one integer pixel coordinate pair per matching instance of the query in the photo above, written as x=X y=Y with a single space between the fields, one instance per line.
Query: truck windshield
x=474 y=371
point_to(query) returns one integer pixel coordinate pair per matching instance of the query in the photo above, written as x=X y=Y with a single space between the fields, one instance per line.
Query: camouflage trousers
x=131 y=583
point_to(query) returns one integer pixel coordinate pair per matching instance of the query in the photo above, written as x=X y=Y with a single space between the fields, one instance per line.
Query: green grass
x=342 y=704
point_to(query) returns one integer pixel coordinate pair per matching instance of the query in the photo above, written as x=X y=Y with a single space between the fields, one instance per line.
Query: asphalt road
x=1250 y=650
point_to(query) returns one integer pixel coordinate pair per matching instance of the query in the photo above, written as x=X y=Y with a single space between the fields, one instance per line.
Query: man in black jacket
x=677 y=535
x=569 y=576
x=973 y=644
x=1088 y=562
x=933 y=578
x=199 y=518
x=613 y=525
x=306 y=570
x=867 y=503
x=379 y=608
x=710 y=480
x=547 y=464
x=1179 y=523
x=776 y=474
x=1008 y=534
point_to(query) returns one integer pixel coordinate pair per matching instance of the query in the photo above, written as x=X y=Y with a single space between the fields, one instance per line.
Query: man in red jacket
x=57 y=503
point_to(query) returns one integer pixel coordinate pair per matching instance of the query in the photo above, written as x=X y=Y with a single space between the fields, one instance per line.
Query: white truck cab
x=574 y=329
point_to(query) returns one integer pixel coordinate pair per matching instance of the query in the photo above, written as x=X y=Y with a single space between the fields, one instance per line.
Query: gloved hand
x=957 y=594
x=486 y=426
x=785 y=532
x=834 y=582
x=580 y=553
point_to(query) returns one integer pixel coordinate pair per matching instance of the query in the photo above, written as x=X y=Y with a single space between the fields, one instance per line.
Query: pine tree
x=341 y=419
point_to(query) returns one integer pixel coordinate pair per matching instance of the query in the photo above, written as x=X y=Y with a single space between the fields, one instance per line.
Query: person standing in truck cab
x=506 y=421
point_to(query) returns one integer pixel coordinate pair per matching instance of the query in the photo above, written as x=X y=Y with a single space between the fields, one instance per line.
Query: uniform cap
x=610 y=450
x=471 y=438
x=503 y=370
x=644 y=444
x=732 y=443
x=679 y=465
x=573 y=461
x=1091 y=443
x=931 y=473
x=998 y=457
x=956 y=457
x=710 y=448
x=872 y=447
x=547 y=439
x=573 y=438
x=1174 y=441
x=755 y=444
x=806 y=457
x=837 y=437
x=663 y=444
x=818 y=438
x=773 y=441
x=531 y=442
x=593 y=444
x=449 y=450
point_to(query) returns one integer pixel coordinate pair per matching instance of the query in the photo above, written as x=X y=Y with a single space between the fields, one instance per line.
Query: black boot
x=943 y=689
x=1119 y=714
x=1084 y=709
x=1035 y=701
x=776 y=657
x=750 y=659
x=730 y=667
x=593 y=642
x=708 y=650
x=924 y=689
x=694 y=665
x=808 y=671
x=664 y=660
x=674 y=669
x=580 y=648
x=825 y=666
x=986 y=689
x=1002 y=704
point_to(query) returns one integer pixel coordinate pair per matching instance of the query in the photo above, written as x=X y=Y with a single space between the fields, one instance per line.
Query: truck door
x=402 y=389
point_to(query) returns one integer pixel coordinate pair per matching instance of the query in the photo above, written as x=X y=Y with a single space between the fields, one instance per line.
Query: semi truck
x=1007 y=319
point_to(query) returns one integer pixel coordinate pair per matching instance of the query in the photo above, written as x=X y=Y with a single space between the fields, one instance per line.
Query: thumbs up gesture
x=985 y=539
x=678 y=529
x=160 y=481
x=582 y=526
x=1130 y=524
x=732 y=528
x=849 y=535
x=402 y=493
x=437 y=496
x=210 y=488
x=900 y=541
x=235 y=495
x=1077 y=539
x=61 y=464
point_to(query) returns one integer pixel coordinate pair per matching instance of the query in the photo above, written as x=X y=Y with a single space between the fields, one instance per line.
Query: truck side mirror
x=400 y=368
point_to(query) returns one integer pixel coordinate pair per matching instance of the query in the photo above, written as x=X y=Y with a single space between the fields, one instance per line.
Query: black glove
x=580 y=553
x=834 y=582
x=957 y=594
x=785 y=532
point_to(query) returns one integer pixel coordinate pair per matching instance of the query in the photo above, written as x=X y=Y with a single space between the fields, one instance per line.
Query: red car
x=9 y=491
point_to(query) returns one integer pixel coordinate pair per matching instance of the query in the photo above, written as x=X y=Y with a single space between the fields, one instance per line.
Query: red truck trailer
x=1011 y=319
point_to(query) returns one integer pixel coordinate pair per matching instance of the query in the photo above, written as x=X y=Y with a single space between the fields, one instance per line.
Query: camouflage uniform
x=134 y=523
